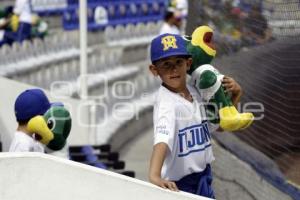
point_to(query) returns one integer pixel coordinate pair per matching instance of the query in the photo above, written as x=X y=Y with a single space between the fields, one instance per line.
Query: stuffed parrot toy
x=208 y=81
x=53 y=128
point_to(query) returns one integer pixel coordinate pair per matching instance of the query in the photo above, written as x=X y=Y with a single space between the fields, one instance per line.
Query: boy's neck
x=184 y=92
x=170 y=23
x=23 y=128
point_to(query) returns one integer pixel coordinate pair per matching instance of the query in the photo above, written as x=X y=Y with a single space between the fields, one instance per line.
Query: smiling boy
x=182 y=150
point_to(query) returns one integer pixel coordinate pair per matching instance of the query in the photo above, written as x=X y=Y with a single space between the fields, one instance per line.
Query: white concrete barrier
x=36 y=176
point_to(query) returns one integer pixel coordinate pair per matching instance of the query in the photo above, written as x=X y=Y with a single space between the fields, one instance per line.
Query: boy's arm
x=232 y=86
x=157 y=159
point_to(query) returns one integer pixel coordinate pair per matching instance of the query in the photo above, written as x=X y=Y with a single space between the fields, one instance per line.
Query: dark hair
x=168 y=15
x=8 y=11
x=23 y=122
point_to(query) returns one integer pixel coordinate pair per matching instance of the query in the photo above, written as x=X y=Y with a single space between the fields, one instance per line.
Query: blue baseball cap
x=167 y=45
x=31 y=103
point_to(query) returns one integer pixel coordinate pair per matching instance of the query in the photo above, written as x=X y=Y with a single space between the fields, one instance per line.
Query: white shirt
x=167 y=28
x=24 y=143
x=182 y=126
x=22 y=8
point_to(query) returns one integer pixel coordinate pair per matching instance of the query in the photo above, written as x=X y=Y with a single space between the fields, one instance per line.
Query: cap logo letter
x=169 y=42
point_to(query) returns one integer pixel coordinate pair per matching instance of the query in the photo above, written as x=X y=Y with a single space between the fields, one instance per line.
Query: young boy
x=182 y=150
x=28 y=104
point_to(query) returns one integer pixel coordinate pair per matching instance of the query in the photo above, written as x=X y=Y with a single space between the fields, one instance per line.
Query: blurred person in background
x=181 y=5
x=22 y=20
x=19 y=23
x=5 y=16
x=255 y=28
x=172 y=22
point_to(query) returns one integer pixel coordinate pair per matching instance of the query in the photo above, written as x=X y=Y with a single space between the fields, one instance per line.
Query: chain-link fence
x=269 y=74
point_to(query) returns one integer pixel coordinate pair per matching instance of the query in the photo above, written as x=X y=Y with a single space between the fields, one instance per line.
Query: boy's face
x=172 y=71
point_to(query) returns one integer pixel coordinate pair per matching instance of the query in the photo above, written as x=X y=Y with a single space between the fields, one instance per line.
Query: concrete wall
x=35 y=176
x=9 y=92
x=235 y=179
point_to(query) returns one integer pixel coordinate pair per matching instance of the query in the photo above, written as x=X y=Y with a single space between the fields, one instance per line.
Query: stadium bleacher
x=99 y=156
x=49 y=7
x=113 y=13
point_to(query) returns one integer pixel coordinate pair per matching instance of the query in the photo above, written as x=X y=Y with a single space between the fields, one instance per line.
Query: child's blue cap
x=31 y=103
x=167 y=45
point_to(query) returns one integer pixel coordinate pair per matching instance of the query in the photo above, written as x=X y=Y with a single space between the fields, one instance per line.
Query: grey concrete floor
x=137 y=154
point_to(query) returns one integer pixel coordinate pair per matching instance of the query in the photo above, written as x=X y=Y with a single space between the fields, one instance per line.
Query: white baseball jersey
x=23 y=9
x=24 y=143
x=182 y=126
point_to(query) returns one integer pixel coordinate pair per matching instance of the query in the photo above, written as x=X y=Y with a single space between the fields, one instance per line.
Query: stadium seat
x=100 y=156
x=49 y=7
x=72 y=2
x=118 y=13
x=109 y=33
x=81 y=157
x=116 y=165
x=99 y=165
x=101 y=148
x=129 y=173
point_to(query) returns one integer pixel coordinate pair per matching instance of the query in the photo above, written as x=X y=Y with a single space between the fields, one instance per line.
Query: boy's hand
x=233 y=87
x=165 y=184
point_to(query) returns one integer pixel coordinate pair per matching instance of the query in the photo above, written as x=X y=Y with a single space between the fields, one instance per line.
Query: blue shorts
x=198 y=183
x=23 y=32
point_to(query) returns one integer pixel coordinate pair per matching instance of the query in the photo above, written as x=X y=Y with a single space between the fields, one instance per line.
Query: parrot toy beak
x=38 y=126
x=202 y=37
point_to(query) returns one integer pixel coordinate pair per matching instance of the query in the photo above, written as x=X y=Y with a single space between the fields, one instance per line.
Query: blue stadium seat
x=132 y=12
x=119 y=12
x=91 y=158
x=72 y=2
x=49 y=7
x=100 y=165
x=87 y=150
x=70 y=18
